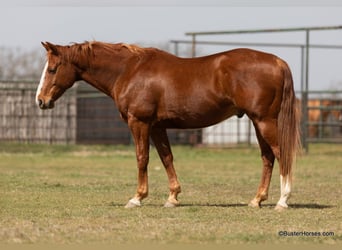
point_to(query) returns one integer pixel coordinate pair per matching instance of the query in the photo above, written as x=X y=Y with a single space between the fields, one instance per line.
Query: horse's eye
x=52 y=71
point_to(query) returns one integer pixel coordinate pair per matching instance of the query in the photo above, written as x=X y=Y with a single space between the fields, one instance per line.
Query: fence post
x=193 y=47
x=305 y=87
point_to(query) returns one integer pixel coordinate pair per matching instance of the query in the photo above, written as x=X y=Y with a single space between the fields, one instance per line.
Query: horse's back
x=235 y=82
x=199 y=92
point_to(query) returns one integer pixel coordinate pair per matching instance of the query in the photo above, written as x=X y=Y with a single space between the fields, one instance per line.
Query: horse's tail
x=288 y=125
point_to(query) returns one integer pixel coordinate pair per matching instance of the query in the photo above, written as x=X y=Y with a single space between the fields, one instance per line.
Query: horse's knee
x=142 y=161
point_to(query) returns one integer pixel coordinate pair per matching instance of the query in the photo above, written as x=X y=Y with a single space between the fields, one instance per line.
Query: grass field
x=76 y=194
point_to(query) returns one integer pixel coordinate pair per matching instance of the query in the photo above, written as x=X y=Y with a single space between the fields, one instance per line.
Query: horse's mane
x=86 y=49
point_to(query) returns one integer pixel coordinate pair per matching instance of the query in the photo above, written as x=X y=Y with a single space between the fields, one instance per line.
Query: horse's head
x=59 y=74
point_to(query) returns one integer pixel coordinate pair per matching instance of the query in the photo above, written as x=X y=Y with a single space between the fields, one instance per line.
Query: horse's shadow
x=291 y=206
x=233 y=205
x=310 y=206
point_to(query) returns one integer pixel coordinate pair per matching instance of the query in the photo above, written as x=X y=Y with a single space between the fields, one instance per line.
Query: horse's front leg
x=140 y=132
x=161 y=142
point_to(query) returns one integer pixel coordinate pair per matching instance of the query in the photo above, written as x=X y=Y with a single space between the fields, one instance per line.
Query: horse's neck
x=104 y=71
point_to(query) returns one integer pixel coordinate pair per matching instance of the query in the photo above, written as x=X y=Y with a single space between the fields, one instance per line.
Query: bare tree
x=17 y=64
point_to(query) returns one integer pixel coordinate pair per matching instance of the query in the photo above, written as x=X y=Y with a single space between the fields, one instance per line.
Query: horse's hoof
x=280 y=208
x=133 y=203
x=254 y=204
x=171 y=204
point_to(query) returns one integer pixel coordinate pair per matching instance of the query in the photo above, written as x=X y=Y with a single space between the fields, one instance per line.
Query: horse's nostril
x=40 y=103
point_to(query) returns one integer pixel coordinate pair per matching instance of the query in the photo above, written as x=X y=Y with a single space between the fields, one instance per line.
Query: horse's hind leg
x=161 y=142
x=264 y=130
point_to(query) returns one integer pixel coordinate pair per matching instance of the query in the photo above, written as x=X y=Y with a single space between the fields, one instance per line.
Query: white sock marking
x=40 y=86
x=285 y=190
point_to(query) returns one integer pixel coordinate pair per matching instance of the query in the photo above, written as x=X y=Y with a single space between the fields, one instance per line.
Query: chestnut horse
x=154 y=91
x=317 y=115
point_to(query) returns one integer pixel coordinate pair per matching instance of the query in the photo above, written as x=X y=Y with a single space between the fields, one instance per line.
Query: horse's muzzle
x=46 y=105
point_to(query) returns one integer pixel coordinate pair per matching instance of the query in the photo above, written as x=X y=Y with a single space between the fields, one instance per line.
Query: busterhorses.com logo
x=305 y=234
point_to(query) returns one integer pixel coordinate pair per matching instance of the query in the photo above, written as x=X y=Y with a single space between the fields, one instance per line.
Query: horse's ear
x=50 y=47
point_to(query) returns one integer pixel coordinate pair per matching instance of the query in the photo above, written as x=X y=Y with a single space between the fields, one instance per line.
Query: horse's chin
x=46 y=108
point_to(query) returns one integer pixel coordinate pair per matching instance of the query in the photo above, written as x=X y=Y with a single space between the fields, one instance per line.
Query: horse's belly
x=192 y=120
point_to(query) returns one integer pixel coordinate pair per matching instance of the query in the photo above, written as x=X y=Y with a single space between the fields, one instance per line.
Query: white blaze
x=40 y=86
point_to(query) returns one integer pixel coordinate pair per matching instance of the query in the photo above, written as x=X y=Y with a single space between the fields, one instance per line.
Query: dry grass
x=76 y=194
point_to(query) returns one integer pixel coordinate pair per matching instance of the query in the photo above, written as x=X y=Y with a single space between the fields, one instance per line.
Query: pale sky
x=25 y=24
